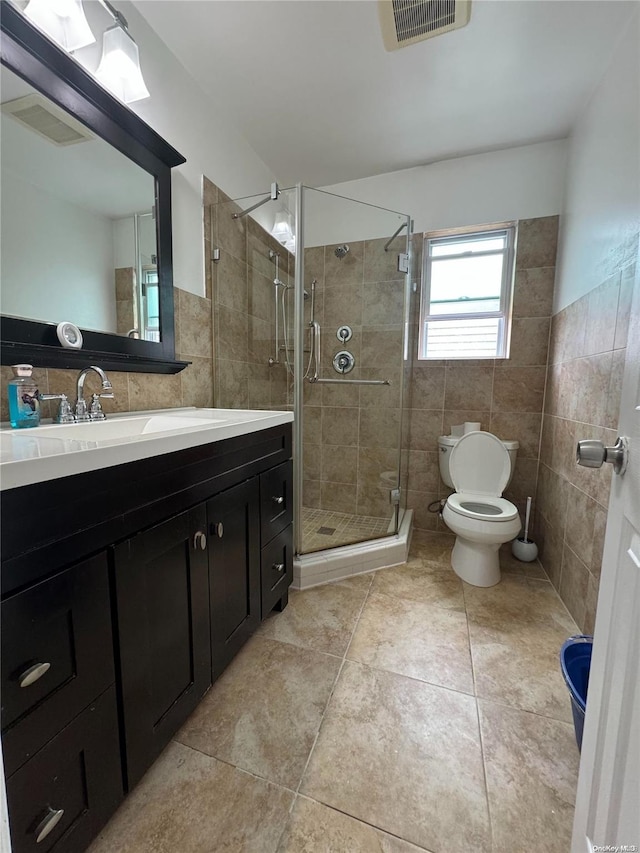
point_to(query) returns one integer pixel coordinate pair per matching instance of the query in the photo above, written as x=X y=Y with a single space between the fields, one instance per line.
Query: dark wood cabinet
x=127 y=601
x=162 y=602
x=234 y=567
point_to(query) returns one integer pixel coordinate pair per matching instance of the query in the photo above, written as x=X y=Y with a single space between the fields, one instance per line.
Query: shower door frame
x=298 y=362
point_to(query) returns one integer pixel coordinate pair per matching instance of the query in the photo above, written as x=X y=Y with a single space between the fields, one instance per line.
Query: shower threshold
x=337 y=563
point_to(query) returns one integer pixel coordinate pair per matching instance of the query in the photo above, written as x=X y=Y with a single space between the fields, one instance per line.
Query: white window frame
x=506 y=288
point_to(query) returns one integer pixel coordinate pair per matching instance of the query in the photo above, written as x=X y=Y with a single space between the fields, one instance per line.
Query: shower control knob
x=592 y=453
x=343 y=362
x=344 y=334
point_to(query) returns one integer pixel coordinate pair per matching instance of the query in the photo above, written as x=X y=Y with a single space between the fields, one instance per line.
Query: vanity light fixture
x=282 y=230
x=119 y=69
x=62 y=20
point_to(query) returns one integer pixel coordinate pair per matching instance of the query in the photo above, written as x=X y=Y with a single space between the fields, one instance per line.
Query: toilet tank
x=446 y=443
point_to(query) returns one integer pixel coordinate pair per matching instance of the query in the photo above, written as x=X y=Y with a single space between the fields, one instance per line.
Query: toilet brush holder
x=524 y=550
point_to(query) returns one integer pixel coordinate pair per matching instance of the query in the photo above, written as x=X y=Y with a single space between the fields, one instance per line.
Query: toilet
x=479 y=467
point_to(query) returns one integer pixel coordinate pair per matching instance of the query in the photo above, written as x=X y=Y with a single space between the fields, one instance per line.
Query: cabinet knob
x=278 y=567
x=200 y=541
x=218 y=529
x=33 y=673
x=48 y=823
x=277 y=499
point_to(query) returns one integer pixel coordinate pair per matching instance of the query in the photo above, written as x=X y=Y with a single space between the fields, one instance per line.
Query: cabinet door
x=234 y=566
x=162 y=593
x=57 y=655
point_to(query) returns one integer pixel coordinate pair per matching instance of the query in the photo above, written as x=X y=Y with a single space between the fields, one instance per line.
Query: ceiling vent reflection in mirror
x=44 y=118
x=404 y=22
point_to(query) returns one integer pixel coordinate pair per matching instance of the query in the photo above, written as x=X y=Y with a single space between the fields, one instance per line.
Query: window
x=466 y=293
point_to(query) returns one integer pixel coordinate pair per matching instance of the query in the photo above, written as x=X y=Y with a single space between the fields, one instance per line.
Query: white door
x=607 y=813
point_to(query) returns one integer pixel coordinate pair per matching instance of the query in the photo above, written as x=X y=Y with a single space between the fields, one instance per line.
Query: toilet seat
x=482 y=507
x=480 y=465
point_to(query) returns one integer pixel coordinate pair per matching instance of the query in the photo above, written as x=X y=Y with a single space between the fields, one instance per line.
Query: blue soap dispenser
x=24 y=399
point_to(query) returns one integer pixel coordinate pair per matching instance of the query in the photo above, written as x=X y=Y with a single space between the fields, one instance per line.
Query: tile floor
x=322 y=528
x=395 y=712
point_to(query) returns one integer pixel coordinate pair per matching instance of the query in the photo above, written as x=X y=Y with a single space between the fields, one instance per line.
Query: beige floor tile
x=512 y=566
x=314 y=828
x=532 y=769
x=403 y=756
x=434 y=547
x=420 y=582
x=195 y=804
x=264 y=713
x=515 y=600
x=518 y=664
x=359 y=582
x=414 y=639
x=322 y=618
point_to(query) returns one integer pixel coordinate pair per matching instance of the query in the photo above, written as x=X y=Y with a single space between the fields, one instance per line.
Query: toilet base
x=476 y=563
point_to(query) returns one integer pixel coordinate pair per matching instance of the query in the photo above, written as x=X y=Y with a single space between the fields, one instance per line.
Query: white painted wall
x=602 y=202
x=57 y=259
x=189 y=120
x=515 y=183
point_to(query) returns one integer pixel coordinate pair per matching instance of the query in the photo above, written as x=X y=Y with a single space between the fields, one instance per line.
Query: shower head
x=341 y=251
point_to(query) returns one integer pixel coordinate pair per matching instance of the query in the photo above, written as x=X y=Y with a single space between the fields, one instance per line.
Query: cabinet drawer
x=64 y=622
x=276 y=500
x=276 y=569
x=78 y=772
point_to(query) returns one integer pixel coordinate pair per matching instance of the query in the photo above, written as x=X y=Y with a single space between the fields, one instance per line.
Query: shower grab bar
x=315 y=380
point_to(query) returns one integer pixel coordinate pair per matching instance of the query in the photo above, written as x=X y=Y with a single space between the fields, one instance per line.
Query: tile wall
x=504 y=395
x=242 y=289
x=141 y=391
x=586 y=363
x=352 y=434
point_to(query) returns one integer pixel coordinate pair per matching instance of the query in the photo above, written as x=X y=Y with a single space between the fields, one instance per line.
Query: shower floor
x=322 y=528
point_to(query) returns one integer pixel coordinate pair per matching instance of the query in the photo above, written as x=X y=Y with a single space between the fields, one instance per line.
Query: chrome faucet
x=94 y=413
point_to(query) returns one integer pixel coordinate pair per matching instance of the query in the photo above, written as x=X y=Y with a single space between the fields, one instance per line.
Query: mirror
x=77 y=222
x=85 y=215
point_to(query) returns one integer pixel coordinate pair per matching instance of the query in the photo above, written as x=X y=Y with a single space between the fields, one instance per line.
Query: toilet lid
x=479 y=464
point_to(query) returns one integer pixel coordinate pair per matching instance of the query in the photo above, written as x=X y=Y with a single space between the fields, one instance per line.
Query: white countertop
x=51 y=451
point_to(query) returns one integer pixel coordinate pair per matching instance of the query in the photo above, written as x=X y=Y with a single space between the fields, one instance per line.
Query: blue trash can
x=575 y=660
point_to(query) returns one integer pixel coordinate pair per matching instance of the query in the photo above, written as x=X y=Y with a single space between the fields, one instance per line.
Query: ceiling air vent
x=47 y=120
x=405 y=22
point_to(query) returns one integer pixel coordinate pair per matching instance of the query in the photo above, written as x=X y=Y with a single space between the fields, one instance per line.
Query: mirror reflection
x=78 y=225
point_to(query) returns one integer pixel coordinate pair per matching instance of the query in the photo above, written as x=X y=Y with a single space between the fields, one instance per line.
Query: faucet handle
x=95 y=412
x=65 y=413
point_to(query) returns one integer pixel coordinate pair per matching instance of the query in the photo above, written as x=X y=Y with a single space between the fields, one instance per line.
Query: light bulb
x=63 y=21
x=119 y=69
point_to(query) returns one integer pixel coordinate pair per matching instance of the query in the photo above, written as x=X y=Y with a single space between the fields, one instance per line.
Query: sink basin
x=55 y=450
x=119 y=428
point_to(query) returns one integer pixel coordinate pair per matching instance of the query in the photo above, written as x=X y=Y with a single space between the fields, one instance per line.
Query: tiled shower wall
x=352 y=433
x=586 y=363
x=141 y=391
x=504 y=395
x=241 y=284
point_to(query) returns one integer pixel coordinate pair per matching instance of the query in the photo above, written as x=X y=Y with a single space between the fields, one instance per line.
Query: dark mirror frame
x=50 y=70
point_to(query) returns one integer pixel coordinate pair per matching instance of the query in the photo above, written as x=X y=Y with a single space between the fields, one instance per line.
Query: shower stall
x=328 y=318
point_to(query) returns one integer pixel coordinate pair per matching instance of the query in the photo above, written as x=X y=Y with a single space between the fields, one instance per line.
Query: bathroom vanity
x=137 y=559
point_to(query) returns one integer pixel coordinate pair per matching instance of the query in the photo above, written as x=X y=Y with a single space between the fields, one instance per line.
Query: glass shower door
x=349 y=388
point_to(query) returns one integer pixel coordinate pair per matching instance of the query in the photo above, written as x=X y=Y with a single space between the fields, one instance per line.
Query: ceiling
x=312 y=89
